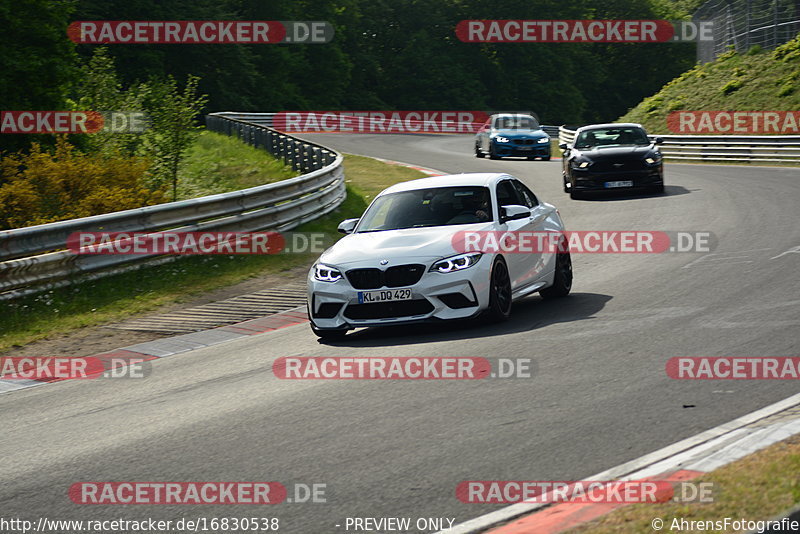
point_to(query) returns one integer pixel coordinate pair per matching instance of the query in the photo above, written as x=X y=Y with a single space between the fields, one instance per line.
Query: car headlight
x=581 y=164
x=543 y=140
x=500 y=139
x=326 y=273
x=652 y=160
x=456 y=263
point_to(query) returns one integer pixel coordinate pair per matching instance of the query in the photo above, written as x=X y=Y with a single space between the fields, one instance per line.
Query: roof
x=448 y=180
x=513 y=115
x=610 y=125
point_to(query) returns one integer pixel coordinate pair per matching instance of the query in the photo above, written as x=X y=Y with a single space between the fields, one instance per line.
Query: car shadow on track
x=669 y=191
x=527 y=314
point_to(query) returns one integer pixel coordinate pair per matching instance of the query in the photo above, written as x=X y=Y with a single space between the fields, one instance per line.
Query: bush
x=786 y=89
x=754 y=50
x=41 y=187
x=789 y=51
x=731 y=86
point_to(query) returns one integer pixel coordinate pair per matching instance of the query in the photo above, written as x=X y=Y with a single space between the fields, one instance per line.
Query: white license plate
x=622 y=183
x=384 y=295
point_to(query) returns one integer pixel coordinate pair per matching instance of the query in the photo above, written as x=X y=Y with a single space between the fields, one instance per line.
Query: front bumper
x=513 y=149
x=586 y=180
x=437 y=296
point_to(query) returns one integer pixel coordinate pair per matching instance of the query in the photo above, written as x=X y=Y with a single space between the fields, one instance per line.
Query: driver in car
x=474 y=209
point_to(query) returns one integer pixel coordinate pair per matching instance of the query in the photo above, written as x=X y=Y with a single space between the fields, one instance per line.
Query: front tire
x=499 y=291
x=478 y=152
x=492 y=153
x=562 y=281
x=545 y=158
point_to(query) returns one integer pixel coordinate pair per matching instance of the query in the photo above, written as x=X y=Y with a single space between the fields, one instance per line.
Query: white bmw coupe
x=402 y=261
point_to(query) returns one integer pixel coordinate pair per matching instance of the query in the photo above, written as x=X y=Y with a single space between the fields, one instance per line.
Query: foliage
x=38 y=61
x=42 y=187
x=405 y=55
x=731 y=86
x=172 y=114
x=171 y=117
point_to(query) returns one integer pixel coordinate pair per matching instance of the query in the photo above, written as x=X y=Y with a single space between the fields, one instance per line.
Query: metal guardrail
x=33 y=258
x=722 y=148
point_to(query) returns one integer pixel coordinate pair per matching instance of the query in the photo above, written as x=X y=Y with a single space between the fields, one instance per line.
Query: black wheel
x=328 y=335
x=499 y=291
x=492 y=153
x=562 y=282
x=564 y=179
x=531 y=158
x=478 y=152
x=574 y=194
x=545 y=158
x=658 y=189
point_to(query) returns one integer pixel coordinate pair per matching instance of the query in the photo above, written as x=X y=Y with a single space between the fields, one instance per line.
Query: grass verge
x=116 y=297
x=217 y=163
x=757 y=487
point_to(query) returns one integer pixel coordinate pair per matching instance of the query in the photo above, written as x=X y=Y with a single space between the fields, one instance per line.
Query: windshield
x=611 y=137
x=516 y=122
x=441 y=206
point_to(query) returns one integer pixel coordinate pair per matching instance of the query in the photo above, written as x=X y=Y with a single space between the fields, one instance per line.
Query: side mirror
x=563 y=146
x=513 y=212
x=658 y=140
x=347 y=226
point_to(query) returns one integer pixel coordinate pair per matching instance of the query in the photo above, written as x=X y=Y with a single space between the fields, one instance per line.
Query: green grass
x=754 y=81
x=217 y=163
x=119 y=296
x=759 y=486
x=555 y=152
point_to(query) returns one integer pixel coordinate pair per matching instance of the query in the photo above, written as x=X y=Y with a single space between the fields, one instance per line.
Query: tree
x=37 y=63
x=172 y=116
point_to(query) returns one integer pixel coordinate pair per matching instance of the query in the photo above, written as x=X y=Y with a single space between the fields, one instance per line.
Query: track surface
x=599 y=395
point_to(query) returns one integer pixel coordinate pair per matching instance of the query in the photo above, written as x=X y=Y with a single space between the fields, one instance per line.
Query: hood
x=512 y=133
x=616 y=152
x=397 y=246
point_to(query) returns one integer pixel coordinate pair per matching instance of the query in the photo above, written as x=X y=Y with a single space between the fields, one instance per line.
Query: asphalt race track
x=599 y=394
